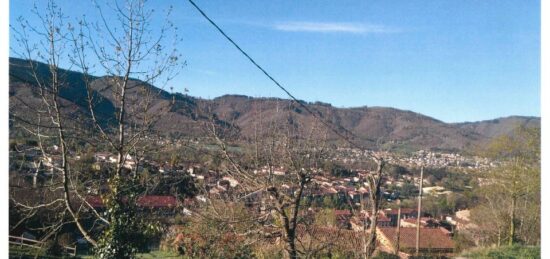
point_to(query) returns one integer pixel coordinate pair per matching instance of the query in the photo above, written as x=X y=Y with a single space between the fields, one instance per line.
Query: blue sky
x=456 y=61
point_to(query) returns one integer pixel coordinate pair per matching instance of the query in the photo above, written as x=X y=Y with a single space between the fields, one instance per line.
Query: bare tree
x=132 y=53
x=369 y=210
x=51 y=118
x=285 y=159
x=374 y=180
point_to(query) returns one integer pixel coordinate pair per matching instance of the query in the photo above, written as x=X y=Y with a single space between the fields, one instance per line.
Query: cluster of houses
x=103 y=157
x=422 y=157
x=435 y=235
x=440 y=160
x=327 y=185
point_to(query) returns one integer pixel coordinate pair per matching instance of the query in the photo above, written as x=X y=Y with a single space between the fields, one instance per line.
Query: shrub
x=505 y=252
x=52 y=247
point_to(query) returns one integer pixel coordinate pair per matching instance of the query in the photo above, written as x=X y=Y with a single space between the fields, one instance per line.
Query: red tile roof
x=423 y=220
x=403 y=211
x=381 y=216
x=430 y=238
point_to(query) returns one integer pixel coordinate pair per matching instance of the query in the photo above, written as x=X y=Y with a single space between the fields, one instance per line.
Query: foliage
x=66 y=239
x=436 y=205
x=120 y=124
x=325 y=217
x=25 y=252
x=445 y=204
x=462 y=242
x=408 y=190
x=452 y=180
x=396 y=171
x=182 y=186
x=510 y=207
x=205 y=237
x=384 y=255
x=52 y=247
x=456 y=181
x=127 y=233
x=505 y=252
x=337 y=170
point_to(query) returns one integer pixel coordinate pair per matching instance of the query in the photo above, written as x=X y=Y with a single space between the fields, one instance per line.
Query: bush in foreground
x=504 y=252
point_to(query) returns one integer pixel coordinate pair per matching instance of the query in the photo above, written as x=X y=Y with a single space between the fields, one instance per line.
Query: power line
x=327 y=124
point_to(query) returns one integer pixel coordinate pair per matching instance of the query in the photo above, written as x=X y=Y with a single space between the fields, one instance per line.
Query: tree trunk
x=419 y=211
x=499 y=237
x=364 y=236
x=374 y=195
x=512 y=222
x=397 y=236
x=291 y=248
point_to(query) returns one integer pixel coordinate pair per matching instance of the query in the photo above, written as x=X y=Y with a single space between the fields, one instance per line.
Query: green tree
x=512 y=190
x=325 y=217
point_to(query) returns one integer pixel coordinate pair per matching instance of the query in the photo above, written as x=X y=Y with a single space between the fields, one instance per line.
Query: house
x=231 y=180
x=406 y=213
x=101 y=156
x=112 y=159
x=129 y=163
x=433 y=242
x=279 y=172
x=461 y=221
x=276 y=171
x=435 y=191
x=426 y=222
x=383 y=220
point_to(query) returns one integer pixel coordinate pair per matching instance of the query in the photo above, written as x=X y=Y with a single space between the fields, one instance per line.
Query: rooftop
x=433 y=238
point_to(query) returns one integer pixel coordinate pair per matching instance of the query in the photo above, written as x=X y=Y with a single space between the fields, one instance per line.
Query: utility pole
x=419 y=209
x=364 y=216
x=398 y=228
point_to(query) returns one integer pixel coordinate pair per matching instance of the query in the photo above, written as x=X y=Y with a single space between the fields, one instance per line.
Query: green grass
x=152 y=254
x=29 y=252
x=504 y=252
x=24 y=251
x=159 y=254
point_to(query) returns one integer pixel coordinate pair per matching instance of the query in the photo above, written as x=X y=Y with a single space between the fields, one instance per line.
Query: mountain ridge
x=392 y=128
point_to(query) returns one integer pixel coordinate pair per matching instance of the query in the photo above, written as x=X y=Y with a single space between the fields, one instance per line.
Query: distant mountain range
x=376 y=127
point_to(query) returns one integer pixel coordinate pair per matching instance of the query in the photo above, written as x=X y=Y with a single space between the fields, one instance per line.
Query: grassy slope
x=504 y=252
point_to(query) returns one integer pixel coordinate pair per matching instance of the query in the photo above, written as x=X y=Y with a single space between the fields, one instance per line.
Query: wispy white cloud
x=203 y=71
x=334 y=27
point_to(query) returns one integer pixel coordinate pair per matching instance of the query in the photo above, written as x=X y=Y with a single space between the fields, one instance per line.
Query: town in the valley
x=334 y=191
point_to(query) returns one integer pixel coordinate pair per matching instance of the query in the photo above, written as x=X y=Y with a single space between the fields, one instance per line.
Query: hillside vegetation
x=393 y=129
